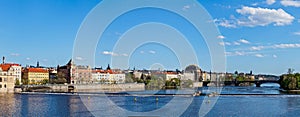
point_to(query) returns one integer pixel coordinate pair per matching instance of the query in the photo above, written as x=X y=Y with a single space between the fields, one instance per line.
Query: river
x=234 y=101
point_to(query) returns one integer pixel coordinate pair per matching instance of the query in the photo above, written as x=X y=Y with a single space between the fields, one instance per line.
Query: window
x=5 y=86
x=0 y=79
x=0 y=85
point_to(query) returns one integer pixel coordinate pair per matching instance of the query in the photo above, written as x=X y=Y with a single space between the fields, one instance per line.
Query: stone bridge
x=237 y=83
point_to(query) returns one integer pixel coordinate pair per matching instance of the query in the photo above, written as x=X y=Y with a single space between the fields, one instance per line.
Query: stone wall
x=85 y=87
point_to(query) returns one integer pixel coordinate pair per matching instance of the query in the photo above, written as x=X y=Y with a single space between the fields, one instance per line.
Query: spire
x=38 y=64
x=108 y=67
x=3 y=60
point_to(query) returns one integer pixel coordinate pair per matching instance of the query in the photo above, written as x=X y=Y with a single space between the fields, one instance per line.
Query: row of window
x=1 y=85
x=3 y=79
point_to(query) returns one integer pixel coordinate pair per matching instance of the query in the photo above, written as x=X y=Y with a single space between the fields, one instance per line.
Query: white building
x=108 y=77
x=9 y=73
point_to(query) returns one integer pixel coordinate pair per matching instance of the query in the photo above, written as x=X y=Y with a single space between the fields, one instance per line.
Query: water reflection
x=41 y=105
x=227 y=105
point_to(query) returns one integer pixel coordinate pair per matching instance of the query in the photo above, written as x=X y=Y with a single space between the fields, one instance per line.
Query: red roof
x=37 y=70
x=103 y=71
x=6 y=66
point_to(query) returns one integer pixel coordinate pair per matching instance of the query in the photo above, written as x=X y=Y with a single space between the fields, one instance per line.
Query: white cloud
x=14 y=54
x=152 y=52
x=124 y=54
x=282 y=46
x=186 y=7
x=109 y=53
x=263 y=17
x=45 y=60
x=270 y=2
x=241 y=53
x=142 y=52
x=244 y=41
x=236 y=53
x=294 y=3
x=254 y=4
x=113 y=54
x=225 y=23
x=118 y=34
x=274 y=56
x=257 y=47
x=79 y=58
x=259 y=55
x=220 y=37
x=27 y=58
x=297 y=33
x=236 y=43
x=224 y=43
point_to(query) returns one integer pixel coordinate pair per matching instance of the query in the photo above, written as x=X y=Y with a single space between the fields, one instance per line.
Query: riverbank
x=290 y=91
x=76 y=88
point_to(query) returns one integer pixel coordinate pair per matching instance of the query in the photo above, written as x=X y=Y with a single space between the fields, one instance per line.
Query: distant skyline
x=262 y=36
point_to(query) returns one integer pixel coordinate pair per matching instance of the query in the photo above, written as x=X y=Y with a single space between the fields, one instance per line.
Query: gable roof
x=6 y=66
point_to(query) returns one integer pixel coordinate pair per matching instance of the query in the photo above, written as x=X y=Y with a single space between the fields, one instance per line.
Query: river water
x=234 y=101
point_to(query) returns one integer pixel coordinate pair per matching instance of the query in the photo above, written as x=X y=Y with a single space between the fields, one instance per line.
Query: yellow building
x=35 y=75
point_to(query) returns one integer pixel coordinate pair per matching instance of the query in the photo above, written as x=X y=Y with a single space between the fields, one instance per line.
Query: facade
x=35 y=75
x=167 y=75
x=108 y=77
x=81 y=74
x=9 y=73
x=192 y=72
x=65 y=71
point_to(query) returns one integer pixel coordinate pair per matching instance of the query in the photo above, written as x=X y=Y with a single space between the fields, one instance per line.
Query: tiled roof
x=104 y=71
x=6 y=66
x=41 y=70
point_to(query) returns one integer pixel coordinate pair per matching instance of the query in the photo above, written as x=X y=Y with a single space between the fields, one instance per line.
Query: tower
x=108 y=67
x=3 y=60
x=38 y=64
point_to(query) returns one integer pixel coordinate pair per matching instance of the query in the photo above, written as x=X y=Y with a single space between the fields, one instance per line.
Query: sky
x=262 y=36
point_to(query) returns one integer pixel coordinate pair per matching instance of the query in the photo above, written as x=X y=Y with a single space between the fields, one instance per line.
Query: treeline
x=290 y=81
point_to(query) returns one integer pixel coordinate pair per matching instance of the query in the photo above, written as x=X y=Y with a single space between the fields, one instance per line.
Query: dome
x=192 y=68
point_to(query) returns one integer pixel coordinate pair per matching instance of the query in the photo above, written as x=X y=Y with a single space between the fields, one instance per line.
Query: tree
x=44 y=81
x=17 y=82
x=289 y=81
x=25 y=81
x=129 y=78
x=60 y=78
x=32 y=81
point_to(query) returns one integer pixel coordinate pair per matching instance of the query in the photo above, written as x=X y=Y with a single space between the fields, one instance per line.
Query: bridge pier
x=257 y=84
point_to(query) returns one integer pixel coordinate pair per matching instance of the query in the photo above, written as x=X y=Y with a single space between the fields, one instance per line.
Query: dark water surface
x=270 y=103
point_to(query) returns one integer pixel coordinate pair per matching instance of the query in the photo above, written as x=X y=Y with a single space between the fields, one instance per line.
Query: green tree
x=289 y=81
x=17 y=82
x=44 y=81
x=129 y=78
x=25 y=81
x=32 y=81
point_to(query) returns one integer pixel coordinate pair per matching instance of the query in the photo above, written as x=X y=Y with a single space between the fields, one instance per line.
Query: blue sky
x=262 y=36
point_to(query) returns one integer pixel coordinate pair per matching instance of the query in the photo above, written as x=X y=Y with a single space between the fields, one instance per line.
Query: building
x=108 y=77
x=9 y=74
x=35 y=75
x=65 y=71
x=81 y=74
x=167 y=75
x=192 y=72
